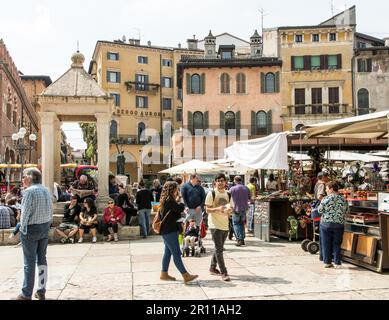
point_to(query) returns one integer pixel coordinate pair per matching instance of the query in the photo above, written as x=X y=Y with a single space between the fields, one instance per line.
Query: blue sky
x=41 y=35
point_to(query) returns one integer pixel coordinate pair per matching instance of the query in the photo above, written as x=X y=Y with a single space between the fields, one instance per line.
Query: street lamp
x=21 y=147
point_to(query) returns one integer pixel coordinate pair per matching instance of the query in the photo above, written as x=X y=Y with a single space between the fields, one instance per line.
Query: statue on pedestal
x=120 y=162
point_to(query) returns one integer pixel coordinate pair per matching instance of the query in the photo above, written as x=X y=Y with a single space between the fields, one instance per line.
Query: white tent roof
x=299 y=156
x=352 y=156
x=193 y=166
x=381 y=154
x=269 y=153
x=370 y=126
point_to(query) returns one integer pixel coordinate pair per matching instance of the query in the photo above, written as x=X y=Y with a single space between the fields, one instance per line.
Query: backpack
x=214 y=196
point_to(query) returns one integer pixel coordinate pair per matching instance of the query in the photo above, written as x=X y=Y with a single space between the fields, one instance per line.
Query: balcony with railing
x=319 y=110
x=129 y=140
x=142 y=87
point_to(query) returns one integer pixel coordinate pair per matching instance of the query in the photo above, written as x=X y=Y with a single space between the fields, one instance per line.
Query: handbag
x=157 y=222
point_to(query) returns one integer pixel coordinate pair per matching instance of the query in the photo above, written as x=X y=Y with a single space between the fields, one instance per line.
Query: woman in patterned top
x=333 y=209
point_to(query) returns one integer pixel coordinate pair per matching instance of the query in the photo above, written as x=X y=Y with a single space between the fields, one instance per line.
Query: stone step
x=125 y=233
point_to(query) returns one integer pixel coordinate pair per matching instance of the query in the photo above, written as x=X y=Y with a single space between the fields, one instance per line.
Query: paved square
x=130 y=270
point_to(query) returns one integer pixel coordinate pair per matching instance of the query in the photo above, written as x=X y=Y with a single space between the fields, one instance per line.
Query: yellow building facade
x=143 y=81
x=316 y=77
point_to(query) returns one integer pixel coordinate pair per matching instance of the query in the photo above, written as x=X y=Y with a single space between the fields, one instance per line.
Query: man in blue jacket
x=194 y=198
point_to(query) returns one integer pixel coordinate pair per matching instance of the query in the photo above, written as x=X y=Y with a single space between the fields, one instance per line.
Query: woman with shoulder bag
x=170 y=213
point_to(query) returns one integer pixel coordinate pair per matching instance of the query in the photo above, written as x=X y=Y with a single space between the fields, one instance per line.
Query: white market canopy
x=193 y=166
x=381 y=154
x=369 y=126
x=352 y=156
x=299 y=156
x=269 y=153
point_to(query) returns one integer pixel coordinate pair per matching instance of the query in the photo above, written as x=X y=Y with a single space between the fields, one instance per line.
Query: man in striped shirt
x=36 y=218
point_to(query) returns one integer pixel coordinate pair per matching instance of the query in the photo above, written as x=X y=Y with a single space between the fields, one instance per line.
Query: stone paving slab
x=176 y=291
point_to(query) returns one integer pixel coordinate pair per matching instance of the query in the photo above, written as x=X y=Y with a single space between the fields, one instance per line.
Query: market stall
x=366 y=238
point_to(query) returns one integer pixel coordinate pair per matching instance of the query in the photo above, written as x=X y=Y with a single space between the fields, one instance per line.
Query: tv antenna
x=332 y=8
x=263 y=15
x=78 y=46
x=137 y=29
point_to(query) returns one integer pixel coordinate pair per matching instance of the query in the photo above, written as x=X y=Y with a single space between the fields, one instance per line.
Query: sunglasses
x=111 y=203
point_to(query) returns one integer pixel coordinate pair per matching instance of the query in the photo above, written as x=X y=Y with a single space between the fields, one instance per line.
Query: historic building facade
x=16 y=110
x=371 y=76
x=226 y=98
x=143 y=81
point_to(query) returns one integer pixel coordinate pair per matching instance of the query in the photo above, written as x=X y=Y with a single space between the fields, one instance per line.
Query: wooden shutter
x=323 y=62
x=238 y=122
x=119 y=77
x=206 y=120
x=277 y=82
x=188 y=84
x=202 y=83
x=269 y=122
x=293 y=64
x=253 y=123
x=146 y=102
x=190 y=122
x=222 y=120
x=107 y=76
x=339 y=56
x=359 y=61
x=263 y=83
x=307 y=62
x=369 y=63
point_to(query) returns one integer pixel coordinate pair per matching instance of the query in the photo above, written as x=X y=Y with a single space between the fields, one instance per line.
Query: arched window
x=196 y=84
x=261 y=123
x=141 y=131
x=225 y=83
x=230 y=121
x=270 y=83
x=114 y=129
x=241 y=83
x=198 y=121
x=9 y=111
x=363 y=102
x=299 y=127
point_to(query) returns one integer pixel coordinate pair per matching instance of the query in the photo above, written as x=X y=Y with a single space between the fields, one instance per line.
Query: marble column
x=48 y=120
x=103 y=126
x=57 y=152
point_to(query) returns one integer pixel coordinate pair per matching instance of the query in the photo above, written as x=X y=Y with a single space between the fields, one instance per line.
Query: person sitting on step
x=88 y=220
x=70 y=221
x=113 y=215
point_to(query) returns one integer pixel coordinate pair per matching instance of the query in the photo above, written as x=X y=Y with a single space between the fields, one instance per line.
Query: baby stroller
x=196 y=249
x=312 y=245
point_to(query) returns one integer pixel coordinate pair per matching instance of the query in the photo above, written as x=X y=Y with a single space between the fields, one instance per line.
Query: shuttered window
x=195 y=84
x=225 y=83
x=333 y=99
x=198 y=121
x=299 y=101
x=298 y=63
x=363 y=102
x=241 y=83
x=261 y=123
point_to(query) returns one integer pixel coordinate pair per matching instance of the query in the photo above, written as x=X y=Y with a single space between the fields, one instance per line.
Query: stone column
x=57 y=152
x=103 y=126
x=48 y=120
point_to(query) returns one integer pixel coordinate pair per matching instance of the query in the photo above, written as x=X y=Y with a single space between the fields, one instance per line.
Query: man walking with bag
x=36 y=218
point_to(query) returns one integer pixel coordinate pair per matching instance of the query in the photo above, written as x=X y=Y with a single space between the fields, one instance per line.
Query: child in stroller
x=193 y=244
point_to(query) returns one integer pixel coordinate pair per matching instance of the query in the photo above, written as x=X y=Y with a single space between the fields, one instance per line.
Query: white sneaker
x=94 y=240
x=338 y=266
x=11 y=236
x=81 y=240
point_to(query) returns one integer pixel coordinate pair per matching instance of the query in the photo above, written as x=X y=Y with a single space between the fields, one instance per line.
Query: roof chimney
x=149 y=43
x=179 y=46
x=386 y=42
x=192 y=43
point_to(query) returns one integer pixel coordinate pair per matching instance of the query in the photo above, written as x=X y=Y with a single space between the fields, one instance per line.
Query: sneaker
x=214 y=271
x=40 y=296
x=64 y=240
x=109 y=238
x=238 y=243
x=226 y=277
x=11 y=235
x=94 y=240
x=21 y=297
x=81 y=240
x=327 y=266
x=338 y=266
x=71 y=240
x=116 y=238
x=243 y=243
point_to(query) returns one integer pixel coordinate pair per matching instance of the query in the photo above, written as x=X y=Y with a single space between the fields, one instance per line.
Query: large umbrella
x=369 y=126
x=353 y=156
x=193 y=166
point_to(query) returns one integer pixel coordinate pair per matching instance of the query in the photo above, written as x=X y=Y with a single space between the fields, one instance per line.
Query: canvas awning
x=193 y=166
x=353 y=156
x=369 y=126
x=269 y=153
x=299 y=156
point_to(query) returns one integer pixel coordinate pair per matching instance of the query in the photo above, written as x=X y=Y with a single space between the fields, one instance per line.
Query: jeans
x=250 y=224
x=195 y=216
x=331 y=235
x=231 y=232
x=238 y=221
x=144 y=221
x=219 y=237
x=17 y=228
x=172 y=248
x=34 y=245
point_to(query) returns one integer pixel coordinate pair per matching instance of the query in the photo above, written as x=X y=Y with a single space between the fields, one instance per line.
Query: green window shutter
x=206 y=120
x=263 y=82
x=253 y=123
x=190 y=122
x=269 y=122
x=277 y=80
x=238 y=122
x=188 y=84
x=222 y=120
x=293 y=66
x=203 y=83
x=108 y=76
x=369 y=65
